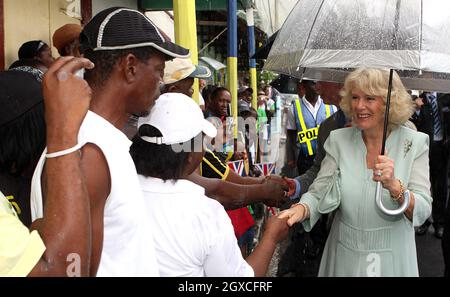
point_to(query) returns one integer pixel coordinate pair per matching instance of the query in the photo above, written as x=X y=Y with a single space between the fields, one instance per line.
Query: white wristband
x=64 y=152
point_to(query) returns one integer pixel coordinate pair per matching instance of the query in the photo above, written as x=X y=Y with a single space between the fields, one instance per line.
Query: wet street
x=429 y=255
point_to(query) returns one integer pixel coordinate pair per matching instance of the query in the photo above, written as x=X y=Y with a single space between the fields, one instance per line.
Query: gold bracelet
x=402 y=191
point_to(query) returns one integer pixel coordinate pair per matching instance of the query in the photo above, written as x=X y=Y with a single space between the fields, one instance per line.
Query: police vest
x=307 y=126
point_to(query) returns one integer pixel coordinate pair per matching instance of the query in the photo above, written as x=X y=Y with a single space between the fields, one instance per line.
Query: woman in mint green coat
x=363 y=241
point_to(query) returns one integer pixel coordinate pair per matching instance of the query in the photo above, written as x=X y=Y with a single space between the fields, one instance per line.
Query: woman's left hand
x=383 y=172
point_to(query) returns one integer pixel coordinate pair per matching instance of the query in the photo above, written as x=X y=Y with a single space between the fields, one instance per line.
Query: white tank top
x=128 y=247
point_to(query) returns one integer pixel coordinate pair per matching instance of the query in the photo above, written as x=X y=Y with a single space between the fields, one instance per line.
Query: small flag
x=237 y=166
x=265 y=168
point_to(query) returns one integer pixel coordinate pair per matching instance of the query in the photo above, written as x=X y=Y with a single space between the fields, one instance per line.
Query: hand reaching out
x=276 y=228
x=291 y=184
x=276 y=191
x=294 y=215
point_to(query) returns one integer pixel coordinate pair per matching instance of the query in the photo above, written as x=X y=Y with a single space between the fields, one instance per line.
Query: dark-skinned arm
x=275 y=230
x=233 y=196
x=235 y=178
x=65 y=229
x=98 y=182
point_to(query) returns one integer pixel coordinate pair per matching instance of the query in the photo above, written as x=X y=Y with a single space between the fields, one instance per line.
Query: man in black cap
x=22 y=131
x=129 y=53
x=245 y=95
x=36 y=49
x=65 y=232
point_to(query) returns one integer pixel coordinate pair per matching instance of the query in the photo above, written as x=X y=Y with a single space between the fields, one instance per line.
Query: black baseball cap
x=31 y=49
x=118 y=28
x=20 y=92
x=244 y=89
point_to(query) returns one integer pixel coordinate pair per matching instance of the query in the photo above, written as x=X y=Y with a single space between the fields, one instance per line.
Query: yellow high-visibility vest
x=308 y=135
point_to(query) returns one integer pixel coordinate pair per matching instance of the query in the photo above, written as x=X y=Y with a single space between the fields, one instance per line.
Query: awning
x=213 y=63
x=201 y=5
x=164 y=21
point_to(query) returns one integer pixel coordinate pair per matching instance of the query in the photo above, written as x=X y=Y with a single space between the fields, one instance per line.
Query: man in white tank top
x=129 y=54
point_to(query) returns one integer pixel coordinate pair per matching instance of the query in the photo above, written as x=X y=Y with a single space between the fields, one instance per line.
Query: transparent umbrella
x=326 y=39
x=411 y=36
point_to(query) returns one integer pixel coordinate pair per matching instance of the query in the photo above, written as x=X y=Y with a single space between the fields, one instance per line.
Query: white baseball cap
x=178 y=118
x=178 y=69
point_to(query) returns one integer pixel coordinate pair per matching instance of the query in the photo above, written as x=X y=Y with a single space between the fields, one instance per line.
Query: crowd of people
x=121 y=171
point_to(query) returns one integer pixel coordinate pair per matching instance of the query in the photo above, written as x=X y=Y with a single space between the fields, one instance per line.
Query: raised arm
x=65 y=229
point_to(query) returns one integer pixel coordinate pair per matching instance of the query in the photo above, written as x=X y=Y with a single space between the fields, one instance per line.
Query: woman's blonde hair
x=375 y=82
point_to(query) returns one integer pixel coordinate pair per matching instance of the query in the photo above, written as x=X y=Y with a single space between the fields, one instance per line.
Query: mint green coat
x=363 y=241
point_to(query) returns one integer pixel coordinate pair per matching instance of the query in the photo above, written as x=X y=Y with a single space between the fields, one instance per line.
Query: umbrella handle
x=390 y=212
x=405 y=204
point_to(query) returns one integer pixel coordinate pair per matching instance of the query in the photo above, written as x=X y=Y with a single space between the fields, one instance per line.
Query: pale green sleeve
x=419 y=183
x=323 y=195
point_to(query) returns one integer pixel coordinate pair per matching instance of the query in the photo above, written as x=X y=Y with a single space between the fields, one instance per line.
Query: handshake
x=278 y=190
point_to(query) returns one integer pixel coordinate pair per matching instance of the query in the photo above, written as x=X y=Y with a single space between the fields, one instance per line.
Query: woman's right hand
x=295 y=214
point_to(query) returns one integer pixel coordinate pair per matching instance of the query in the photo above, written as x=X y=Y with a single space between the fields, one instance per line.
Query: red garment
x=241 y=219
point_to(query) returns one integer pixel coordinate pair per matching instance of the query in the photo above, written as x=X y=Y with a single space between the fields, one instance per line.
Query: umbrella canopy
x=407 y=35
x=326 y=39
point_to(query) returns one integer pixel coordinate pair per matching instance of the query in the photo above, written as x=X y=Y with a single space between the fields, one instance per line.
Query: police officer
x=304 y=117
